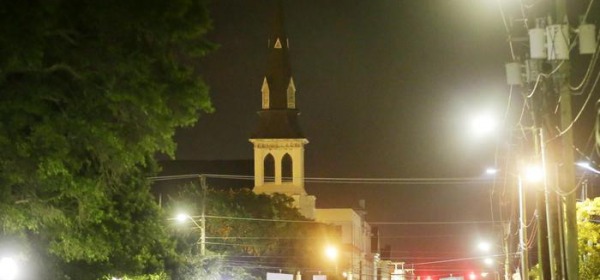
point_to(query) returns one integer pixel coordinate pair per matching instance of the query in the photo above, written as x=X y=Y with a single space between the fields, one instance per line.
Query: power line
x=341 y=180
x=371 y=223
x=261 y=219
x=434 y=223
x=460 y=259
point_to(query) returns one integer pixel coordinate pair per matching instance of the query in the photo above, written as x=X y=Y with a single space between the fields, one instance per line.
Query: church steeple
x=278 y=86
x=278 y=141
x=279 y=116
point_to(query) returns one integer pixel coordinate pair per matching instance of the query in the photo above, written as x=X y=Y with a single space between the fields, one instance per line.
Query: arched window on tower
x=287 y=168
x=269 y=164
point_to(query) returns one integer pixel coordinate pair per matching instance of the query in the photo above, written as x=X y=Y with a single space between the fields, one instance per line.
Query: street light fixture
x=484 y=246
x=534 y=174
x=8 y=268
x=182 y=217
x=491 y=171
x=332 y=253
x=483 y=124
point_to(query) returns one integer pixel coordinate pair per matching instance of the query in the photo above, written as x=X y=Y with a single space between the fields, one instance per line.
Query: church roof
x=278 y=124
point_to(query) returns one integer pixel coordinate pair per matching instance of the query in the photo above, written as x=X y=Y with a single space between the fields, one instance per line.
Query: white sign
x=279 y=276
x=319 y=277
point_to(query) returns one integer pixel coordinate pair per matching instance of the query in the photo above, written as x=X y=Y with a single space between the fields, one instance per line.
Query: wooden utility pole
x=523 y=232
x=567 y=185
x=552 y=217
x=543 y=235
x=567 y=168
x=203 y=217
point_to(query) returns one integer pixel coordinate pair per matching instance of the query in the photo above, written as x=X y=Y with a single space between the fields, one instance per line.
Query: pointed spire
x=278 y=25
x=279 y=73
x=278 y=117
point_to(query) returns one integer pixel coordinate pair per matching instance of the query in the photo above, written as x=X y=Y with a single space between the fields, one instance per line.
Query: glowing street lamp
x=331 y=252
x=183 y=217
x=534 y=174
x=8 y=268
x=483 y=124
x=491 y=171
x=484 y=246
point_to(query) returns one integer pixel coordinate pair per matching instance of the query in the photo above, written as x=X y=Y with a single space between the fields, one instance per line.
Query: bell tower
x=278 y=140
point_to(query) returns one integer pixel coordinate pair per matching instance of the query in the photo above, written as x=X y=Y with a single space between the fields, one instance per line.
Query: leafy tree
x=90 y=91
x=588 y=223
x=258 y=233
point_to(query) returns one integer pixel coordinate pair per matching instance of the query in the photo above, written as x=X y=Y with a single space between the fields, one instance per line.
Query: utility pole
x=507 y=254
x=523 y=232
x=541 y=203
x=203 y=217
x=567 y=180
x=543 y=234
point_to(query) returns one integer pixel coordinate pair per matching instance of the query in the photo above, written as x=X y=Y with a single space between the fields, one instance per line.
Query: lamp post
x=548 y=217
x=182 y=217
x=532 y=174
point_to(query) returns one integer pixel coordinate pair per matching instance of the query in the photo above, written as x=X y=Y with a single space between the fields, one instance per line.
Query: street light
x=8 y=268
x=183 y=217
x=332 y=254
x=483 y=124
x=491 y=171
x=534 y=174
x=484 y=246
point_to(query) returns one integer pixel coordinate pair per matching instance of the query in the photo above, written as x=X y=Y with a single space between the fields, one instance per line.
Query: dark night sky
x=384 y=88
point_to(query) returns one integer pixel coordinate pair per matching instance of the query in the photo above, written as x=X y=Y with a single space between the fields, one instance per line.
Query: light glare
x=534 y=174
x=587 y=166
x=483 y=125
x=8 y=268
x=484 y=246
x=181 y=217
x=491 y=171
x=331 y=252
